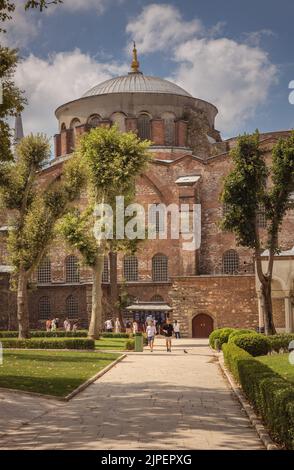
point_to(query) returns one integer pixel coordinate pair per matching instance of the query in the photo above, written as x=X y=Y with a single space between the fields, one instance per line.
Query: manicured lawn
x=111 y=343
x=280 y=364
x=50 y=372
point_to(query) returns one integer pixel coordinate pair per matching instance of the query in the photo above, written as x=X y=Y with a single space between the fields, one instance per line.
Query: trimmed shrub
x=280 y=342
x=47 y=334
x=255 y=344
x=130 y=345
x=240 y=332
x=48 y=343
x=270 y=394
x=221 y=334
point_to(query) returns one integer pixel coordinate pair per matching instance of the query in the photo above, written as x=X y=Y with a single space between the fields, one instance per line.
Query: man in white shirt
x=109 y=326
x=151 y=332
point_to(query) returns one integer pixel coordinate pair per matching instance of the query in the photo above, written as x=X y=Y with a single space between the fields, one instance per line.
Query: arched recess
x=94 y=120
x=202 y=325
x=119 y=119
x=169 y=128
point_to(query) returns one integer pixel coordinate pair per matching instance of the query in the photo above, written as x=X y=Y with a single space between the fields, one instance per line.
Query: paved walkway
x=148 y=401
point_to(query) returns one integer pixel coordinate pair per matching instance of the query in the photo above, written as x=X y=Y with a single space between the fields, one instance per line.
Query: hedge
x=255 y=344
x=48 y=343
x=240 y=332
x=130 y=345
x=270 y=394
x=47 y=334
x=221 y=335
x=280 y=342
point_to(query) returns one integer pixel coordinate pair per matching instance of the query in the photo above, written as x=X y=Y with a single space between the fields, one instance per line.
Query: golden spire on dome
x=135 y=66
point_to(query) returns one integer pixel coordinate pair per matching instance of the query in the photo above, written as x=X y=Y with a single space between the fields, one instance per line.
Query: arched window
x=94 y=120
x=159 y=268
x=72 y=307
x=72 y=273
x=44 y=272
x=169 y=128
x=75 y=123
x=230 y=262
x=105 y=274
x=144 y=127
x=120 y=120
x=63 y=127
x=131 y=268
x=157 y=298
x=44 y=308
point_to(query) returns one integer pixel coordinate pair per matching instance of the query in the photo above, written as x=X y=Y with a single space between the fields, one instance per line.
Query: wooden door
x=202 y=326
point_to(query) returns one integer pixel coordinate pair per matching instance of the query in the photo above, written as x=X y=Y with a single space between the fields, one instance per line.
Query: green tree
x=13 y=98
x=35 y=209
x=250 y=186
x=112 y=161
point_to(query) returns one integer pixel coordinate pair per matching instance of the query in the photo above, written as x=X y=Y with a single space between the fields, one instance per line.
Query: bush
x=115 y=335
x=221 y=334
x=240 y=332
x=280 y=342
x=47 y=343
x=130 y=345
x=270 y=394
x=255 y=344
x=47 y=334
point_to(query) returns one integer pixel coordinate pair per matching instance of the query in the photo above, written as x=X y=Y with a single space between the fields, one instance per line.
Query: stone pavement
x=149 y=400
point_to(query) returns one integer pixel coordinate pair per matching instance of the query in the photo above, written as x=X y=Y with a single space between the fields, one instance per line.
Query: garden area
x=55 y=373
x=261 y=366
x=56 y=363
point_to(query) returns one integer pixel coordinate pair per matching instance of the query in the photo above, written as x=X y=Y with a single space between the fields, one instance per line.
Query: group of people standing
x=151 y=327
x=54 y=324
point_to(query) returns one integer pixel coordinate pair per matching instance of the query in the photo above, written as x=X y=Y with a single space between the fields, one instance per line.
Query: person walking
x=168 y=329
x=117 y=326
x=177 y=329
x=66 y=324
x=135 y=327
x=53 y=324
x=48 y=325
x=109 y=326
x=151 y=332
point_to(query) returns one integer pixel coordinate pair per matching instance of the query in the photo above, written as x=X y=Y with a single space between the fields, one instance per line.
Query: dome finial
x=135 y=66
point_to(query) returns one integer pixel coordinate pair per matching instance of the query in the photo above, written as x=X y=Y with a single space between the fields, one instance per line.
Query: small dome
x=136 y=83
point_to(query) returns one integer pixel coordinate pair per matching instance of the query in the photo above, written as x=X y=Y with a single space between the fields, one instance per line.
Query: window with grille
x=44 y=308
x=72 y=307
x=144 y=127
x=119 y=119
x=157 y=298
x=131 y=268
x=261 y=217
x=44 y=272
x=160 y=268
x=94 y=120
x=72 y=273
x=105 y=274
x=230 y=262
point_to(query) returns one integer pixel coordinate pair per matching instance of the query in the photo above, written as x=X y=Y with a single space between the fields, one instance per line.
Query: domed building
x=210 y=287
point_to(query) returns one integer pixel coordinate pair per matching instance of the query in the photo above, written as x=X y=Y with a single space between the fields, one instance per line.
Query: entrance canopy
x=149 y=306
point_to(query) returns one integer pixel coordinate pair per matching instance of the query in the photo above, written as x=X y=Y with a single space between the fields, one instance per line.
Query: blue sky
x=236 y=54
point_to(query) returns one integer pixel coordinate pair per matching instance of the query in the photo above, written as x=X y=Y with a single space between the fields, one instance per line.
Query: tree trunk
x=268 y=308
x=22 y=305
x=96 y=314
x=114 y=294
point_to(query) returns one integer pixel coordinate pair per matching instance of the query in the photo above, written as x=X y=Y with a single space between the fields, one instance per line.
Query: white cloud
x=61 y=78
x=80 y=5
x=234 y=76
x=159 y=27
x=24 y=27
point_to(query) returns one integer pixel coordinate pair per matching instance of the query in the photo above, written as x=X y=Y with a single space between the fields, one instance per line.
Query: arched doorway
x=202 y=326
